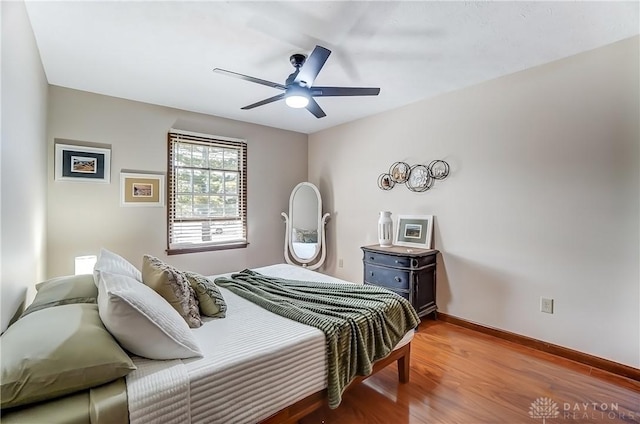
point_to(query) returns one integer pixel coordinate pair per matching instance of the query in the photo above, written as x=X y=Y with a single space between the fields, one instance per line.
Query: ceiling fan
x=299 y=90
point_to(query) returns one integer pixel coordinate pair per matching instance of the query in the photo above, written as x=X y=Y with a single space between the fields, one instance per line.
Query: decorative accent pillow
x=115 y=264
x=142 y=321
x=211 y=302
x=305 y=236
x=57 y=351
x=173 y=286
x=63 y=291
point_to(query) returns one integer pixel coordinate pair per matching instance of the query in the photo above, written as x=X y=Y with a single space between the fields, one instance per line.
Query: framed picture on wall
x=82 y=163
x=414 y=231
x=138 y=189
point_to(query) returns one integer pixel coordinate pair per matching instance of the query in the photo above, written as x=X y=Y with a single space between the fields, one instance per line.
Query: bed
x=256 y=364
x=257 y=367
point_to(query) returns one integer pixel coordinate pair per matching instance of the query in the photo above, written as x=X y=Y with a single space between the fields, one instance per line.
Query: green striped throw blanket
x=361 y=323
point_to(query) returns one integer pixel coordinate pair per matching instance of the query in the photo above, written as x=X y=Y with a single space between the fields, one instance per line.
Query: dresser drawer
x=386 y=277
x=383 y=259
x=402 y=293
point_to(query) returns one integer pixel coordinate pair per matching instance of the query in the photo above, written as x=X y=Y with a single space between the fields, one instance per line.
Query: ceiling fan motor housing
x=297 y=60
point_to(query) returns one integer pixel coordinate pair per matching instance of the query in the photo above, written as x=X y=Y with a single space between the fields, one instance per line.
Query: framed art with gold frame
x=139 y=189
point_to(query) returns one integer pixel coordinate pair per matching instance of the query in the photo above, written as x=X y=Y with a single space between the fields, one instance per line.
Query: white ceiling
x=164 y=52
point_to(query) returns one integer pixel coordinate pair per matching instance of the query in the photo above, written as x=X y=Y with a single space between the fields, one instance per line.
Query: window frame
x=175 y=136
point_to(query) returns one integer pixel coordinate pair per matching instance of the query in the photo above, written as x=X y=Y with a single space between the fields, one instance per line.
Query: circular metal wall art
x=399 y=172
x=420 y=179
x=385 y=182
x=439 y=169
x=417 y=178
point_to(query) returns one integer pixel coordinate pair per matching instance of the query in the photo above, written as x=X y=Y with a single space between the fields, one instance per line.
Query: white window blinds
x=207 y=180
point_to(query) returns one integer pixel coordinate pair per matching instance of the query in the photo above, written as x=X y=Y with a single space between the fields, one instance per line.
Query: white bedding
x=256 y=363
x=304 y=250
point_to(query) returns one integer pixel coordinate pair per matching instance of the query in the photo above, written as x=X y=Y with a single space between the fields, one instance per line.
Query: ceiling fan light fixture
x=297 y=96
x=298 y=89
x=297 y=101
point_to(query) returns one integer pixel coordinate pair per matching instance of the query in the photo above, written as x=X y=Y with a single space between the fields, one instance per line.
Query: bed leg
x=403 y=367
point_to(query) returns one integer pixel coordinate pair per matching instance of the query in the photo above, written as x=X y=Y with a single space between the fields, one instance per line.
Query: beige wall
x=543 y=197
x=84 y=217
x=23 y=162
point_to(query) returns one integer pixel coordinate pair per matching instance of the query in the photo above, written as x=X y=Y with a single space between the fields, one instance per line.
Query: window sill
x=183 y=250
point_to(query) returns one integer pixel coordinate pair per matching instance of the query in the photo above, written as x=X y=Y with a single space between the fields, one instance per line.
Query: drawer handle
x=398 y=279
x=371 y=273
x=397 y=261
x=371 y=258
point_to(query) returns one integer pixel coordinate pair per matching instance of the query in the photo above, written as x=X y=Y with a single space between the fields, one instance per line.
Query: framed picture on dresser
x=414 y=231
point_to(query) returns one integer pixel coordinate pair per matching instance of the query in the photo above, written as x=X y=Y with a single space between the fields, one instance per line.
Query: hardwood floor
x=460 y=376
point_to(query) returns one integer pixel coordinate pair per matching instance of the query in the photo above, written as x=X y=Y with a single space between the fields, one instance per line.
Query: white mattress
x=256 y=363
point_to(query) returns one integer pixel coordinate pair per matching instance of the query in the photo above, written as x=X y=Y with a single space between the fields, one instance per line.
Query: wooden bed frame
x=295 y=412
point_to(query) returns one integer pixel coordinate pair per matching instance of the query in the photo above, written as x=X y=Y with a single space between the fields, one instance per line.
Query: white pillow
x=115 y=264
x=142 y=321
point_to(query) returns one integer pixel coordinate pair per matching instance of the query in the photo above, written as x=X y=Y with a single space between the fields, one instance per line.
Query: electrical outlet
x=546 y=305
x=340 y=263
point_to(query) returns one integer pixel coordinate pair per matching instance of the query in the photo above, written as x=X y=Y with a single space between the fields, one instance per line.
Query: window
x=207 y=199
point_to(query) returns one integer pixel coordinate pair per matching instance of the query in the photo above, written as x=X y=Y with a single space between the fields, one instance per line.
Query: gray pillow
x=210 y=299
x=62 y=291
x=173 y=286
x=57 y=351
x=305 y=236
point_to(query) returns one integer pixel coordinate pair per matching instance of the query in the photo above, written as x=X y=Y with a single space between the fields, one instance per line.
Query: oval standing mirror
x=305 y=222
x=304 y=236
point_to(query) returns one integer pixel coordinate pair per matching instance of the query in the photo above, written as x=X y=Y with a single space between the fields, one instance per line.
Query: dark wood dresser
x=408 y=271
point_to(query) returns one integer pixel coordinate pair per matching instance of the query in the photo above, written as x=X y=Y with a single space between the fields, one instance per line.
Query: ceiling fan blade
x=265 y=101
x=344 y=91
x=250 y=79
x=313 y=65
x=315 y=108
